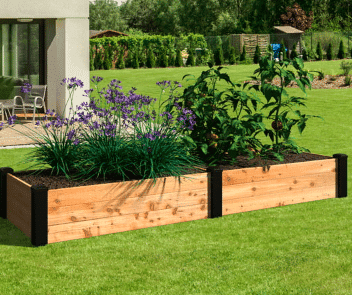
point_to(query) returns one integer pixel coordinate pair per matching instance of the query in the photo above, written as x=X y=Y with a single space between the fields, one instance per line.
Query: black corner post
x=3 y=190
x=341 y=175
x=39 y=221
x=215 y=192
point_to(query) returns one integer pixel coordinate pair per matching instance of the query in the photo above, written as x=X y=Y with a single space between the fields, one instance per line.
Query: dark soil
x=56 y=182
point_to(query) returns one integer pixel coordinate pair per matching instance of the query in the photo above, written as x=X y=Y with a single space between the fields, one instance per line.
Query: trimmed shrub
x=171 y=59
x=305 y=55
x=319 y=52
x=150 y=58
x=270 y=51
x=283 y=50
x=135 y=61
x=163 y=62
x=293 y=52
x=179 y=60
x=243 y=54
x=198 y=60
x=211 y=58
x=190 y=60
x=219 y=56
x=341 y=53
x=98 y=61
x=232 y=56
x=120 y=61
x=256 y=55
x=329 y=52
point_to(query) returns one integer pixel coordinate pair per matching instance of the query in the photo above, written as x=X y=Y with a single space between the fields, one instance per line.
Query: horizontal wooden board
x=145 y=204
x=232 y=206
x=237 y=176
x=119 y=190
x=280 y=186
x=19 y=204
x=104 y=226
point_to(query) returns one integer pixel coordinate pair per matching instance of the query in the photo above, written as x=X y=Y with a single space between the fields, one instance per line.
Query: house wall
x=66 y=45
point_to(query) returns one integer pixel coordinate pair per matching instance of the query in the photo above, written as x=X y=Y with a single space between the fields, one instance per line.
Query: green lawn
x=297 y=249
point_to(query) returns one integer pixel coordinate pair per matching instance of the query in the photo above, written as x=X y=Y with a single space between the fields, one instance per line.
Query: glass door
x=21 y=55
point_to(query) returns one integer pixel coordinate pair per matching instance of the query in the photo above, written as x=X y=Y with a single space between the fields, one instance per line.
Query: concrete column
x=67 y=46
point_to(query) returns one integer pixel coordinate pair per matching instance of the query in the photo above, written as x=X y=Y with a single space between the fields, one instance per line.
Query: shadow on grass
x=10 y=235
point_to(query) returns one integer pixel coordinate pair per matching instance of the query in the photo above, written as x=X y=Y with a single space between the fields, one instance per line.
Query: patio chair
x=29 y=101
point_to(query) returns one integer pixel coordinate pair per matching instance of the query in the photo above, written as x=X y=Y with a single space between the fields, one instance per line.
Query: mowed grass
x=297 y=249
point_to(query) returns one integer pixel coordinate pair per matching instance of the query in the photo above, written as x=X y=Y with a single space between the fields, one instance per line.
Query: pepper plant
x=217 y=136
x=281 y=124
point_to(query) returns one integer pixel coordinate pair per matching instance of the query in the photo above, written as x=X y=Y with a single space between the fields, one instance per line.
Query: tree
x=105 y=15
x=297 y=18
x=243 y=54
x=283 y=50
x=179 y=60
x=329 y=52
x=293 y=52
x=219 y=56
x=190 y=59
x=150 y=58
x=341 y=53
x=256 y=55
x=319 y=52
x=120 y=61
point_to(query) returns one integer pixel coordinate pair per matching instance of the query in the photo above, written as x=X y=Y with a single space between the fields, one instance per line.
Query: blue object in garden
x=276 y=48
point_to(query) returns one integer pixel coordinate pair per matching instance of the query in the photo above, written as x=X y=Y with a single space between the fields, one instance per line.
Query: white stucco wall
x=66 y=44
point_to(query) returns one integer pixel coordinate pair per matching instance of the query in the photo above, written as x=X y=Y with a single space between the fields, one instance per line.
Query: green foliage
x=346 y=67
x=98 y=64
x=232 y=56
x=329 y=52
x=120 y=61
x=163 y=61
x=211 y=58
x=171 y=59
x=341 y=54
x=257 y=54
x=348 y=81
x=243 y=54
x=179 y=60
x=319 y=52
x=270 y=51
x=283 y=50
x=135 y=61
x=219 y=56
x=190 y=59
x=305 y=54
x=293 y=52
x=150 y=58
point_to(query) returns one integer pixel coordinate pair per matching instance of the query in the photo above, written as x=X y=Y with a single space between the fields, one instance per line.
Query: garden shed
x=45 y=42
x=290 y=35
x=106 y=33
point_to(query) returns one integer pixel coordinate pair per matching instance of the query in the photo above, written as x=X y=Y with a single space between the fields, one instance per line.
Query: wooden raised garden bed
x=53 y=215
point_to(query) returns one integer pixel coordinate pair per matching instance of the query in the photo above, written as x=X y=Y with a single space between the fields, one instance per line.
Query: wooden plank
x=19 y=204
x=255 y=174
x=280 y=186
x=104 y=226
x=123 y=206
x=232 y=206
x=18 y=217
x=106 y=192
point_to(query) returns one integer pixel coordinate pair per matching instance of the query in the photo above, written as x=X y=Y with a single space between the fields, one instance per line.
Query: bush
x=243 y=54
x=270 y=51
x=163 y=63
x=341 y=53
x=283 y=50
x=346 y=67
x=329 y=52
x=190 y=60
x=293 y=52
x=171 y=60
x=256 y=55
x=135 y=61
x=150 y=58
x=305 y=54
x=120 y=61
x=319 y=52
x=219 y=56
x=348 y=81
x=211 y=58
x=232 y=56
x=179 y=60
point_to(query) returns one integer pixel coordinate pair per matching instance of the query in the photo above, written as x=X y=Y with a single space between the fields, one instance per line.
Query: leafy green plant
x=348 y=81
x=256 y=55
x=293 y=52
x=219 y=56
x=346 y=67
x=329 y=52
x=305 y=55
x=120 y=61
x=243 y=54
x=281 y=125
x=341 y=53
x=190 y=59
x=283 y=50
x=319 y=52
x=321 y=75
x=232 y=56
x=135 y=61
x=171 y=59
x=211 y=58
x=216 y=133
x=269 y=51
x=179 y=60
x=150 y=58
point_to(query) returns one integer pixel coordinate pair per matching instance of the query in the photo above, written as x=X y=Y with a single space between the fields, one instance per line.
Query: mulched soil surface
x=329 y=82
x=56 y=182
